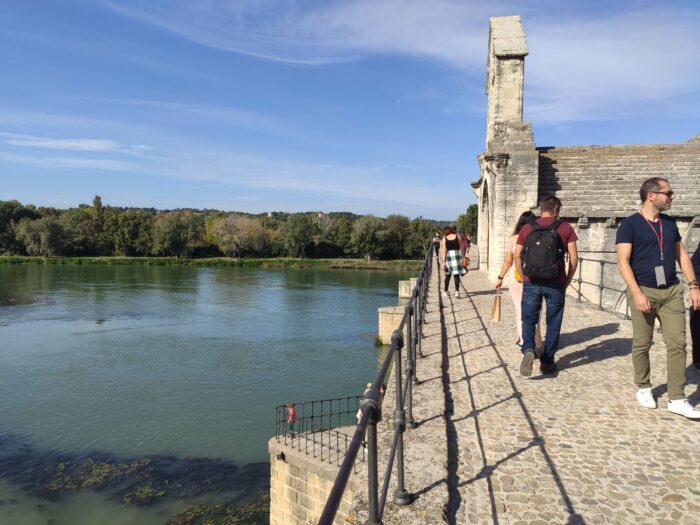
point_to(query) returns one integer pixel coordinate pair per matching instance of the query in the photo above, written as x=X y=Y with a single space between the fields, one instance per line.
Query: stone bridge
x=494 y=447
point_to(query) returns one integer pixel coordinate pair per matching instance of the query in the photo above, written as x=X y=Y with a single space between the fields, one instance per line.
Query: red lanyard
x=659 y=236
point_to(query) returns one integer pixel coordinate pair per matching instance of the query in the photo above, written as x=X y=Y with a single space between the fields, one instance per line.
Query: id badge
x=660 y=276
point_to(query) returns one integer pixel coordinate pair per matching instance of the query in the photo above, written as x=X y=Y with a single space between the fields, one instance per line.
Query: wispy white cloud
x=587 y=62
x=611 y=67
x=322 y=32
x=13 y=117
x=376 y=183
x=81 y=144
x=67 y=162
x=62 y=144
x=94 y=164
x=230 y=115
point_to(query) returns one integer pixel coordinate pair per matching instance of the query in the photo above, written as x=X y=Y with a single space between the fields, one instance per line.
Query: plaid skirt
x=453 y=262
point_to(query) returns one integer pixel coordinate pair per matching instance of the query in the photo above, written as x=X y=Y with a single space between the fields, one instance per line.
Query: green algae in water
x=141 y=482
x=253 y=513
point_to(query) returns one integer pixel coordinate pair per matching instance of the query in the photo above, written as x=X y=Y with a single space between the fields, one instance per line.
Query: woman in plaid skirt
x=451 y=258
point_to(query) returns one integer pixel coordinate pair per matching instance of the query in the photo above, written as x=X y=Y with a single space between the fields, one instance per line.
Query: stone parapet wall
x=300 y=485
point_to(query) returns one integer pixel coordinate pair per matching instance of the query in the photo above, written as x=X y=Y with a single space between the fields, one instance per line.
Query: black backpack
x=543 y=255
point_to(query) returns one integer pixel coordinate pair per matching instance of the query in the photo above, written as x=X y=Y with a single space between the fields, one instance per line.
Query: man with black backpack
x=539 y=258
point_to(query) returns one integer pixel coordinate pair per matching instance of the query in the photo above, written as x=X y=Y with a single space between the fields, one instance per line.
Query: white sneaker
x=457 y=294
x=646 y=399
x=682 y=407
x=445 y=295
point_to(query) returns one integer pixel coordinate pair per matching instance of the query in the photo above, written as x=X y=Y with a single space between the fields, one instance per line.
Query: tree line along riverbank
x=274 y=262
x=100 y=230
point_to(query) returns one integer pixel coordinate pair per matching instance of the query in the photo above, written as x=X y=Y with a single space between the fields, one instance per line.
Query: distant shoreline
x=282 y=262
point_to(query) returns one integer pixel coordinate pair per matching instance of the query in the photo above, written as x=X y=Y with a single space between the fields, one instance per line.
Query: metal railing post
x=580 y=279
x=372 y=475
x=419 y=326
x=600 y=286
x=401 y=496
x=410 y=363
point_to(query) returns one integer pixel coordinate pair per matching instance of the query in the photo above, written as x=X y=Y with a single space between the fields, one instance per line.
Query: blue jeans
x=555 y=296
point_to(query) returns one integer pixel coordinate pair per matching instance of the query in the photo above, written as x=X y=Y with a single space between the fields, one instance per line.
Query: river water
x=181 y=366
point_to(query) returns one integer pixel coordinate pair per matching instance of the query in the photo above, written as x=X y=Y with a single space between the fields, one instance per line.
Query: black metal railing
x=314 y=429
x=604 y=284
x=601 y=285
x=371 y=411
x=313 y=416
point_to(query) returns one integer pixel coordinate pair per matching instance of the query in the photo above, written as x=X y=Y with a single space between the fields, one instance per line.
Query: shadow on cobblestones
x=536 y=441
x=488 y=469
x=449 y=513
x=617 y=347
x=588 y=334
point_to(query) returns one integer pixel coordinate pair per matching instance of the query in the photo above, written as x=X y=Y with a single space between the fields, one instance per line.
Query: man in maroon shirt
x=553 y=291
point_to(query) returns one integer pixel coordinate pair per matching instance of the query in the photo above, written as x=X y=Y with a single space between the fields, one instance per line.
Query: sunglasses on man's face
x=667 y=193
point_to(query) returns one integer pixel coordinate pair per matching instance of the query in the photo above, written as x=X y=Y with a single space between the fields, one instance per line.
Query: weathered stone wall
x=389 y=319
x=505 y=72
x=604 y=181
x=300 y=485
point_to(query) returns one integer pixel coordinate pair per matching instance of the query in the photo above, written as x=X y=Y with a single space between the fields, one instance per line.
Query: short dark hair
x=524 y=218
x=650 y=186
x=550 y=204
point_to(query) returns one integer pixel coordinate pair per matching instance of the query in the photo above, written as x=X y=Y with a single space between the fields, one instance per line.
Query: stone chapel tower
x=508 y=182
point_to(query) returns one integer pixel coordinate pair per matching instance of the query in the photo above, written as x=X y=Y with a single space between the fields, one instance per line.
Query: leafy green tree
x=98 y=212
x=366 y=239
x=274 y=245
x=178 y=233
x=237 y=235
x=342 y=234
x=469 y=221
x=82 y=238
x=43 y=237
x=11 y=212
x=420 y=232
x=395 y=231
x=134 y=233
x=299 y=232
x=324 y=226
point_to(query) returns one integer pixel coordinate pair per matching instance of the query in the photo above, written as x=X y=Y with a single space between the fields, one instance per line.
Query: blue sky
x=370 y=106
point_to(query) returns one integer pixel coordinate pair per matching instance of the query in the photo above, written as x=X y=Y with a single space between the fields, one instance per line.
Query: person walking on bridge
x=451 y=258
x=539 y=258
x=695 y=314
x=515 y=281
x=648 y=247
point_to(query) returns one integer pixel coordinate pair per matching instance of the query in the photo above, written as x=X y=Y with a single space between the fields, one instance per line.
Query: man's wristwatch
x=693 y=284
x=501 y=278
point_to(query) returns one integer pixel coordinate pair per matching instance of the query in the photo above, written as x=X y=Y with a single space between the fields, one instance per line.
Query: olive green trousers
x=668 y=307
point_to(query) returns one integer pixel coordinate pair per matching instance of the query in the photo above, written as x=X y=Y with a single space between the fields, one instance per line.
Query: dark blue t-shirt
x=635 y=230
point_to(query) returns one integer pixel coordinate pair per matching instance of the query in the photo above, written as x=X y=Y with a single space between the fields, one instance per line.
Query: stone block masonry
x=300 y=485
x=389 y=320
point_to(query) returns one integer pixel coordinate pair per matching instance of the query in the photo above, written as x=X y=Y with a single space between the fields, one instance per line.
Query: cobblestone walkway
x=495 y=447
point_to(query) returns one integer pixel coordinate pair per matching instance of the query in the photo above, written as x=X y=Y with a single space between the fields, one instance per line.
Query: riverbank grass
x=277 y=262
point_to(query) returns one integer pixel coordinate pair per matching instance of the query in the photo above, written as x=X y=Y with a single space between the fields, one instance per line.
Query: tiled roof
x=604 y=181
